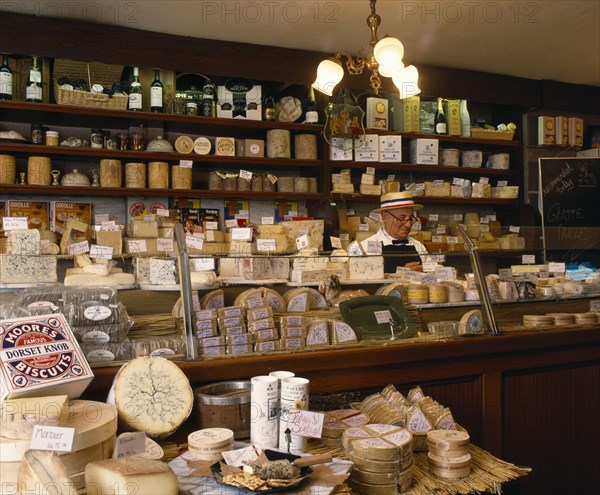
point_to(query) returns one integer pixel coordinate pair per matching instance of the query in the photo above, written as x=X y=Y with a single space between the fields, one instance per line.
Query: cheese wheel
x=153 y=395
x=448 y=439
x=372 y=489
x=210 y=439
x=184 y=144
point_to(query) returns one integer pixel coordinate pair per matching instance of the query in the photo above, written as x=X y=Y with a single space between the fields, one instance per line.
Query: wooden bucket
x=225 y=405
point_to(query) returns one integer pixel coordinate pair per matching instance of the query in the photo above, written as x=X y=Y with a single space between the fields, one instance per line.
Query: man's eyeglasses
x=404 y=220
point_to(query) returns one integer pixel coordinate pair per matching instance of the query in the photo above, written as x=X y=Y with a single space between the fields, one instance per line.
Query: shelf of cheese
x=429 y=200
x=399 y=168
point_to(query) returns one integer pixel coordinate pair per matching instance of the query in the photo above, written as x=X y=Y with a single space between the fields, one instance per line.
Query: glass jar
x=191 y=108
x=51 y=138
x=37 y=133
x=110 y=141
x=97 y=138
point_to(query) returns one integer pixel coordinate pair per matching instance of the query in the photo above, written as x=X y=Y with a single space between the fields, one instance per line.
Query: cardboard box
x=390 y=149
x=575 y=131
x=35 y=211
x=561 y=130
x=427 y=124
x=546 y=130
x=340 y=149
x=239 y=102
x=366 y=148
x=424 y=151
x=254 y=148
x=411 y=111
x=225 y=146
x=453 y=117
x=377 y=113
x=40 y=356
x=61 y=211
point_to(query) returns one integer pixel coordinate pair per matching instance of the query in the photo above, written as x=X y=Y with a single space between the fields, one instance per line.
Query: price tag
x=444 y=274
x=131 y=443
x=14 y=223
x=438 y=258
x=101 y=218
x=101 y=252
x=375 y=216
x=150 y=217
x=491 y=218
x=502 y=183
x=246 y=174
x=194 y=242
x=528 y=259
x=437 y=238
x=292 y=213
x=241 y=234
x=441 y=230
x=162 y=212
x=383 y=316
x=137 y=246
x=363 y=227
x=485 y=228
x=452 y=240
x=484 y=220
x=204 y=264
x=56 y=438
x=344 y=237
x=336 y=242
x=231 y=223
x=420 y=187
x=78 y=248
x=370 y=170
x=457 y=181
x=337 y=178
x=302 y=242
x=556 y=267
x=484 y=180
x=434 y=217
x=427 y=278
x=267 y=220
x=164 y=245
x=350 y=212
x=373 y=247
x=242 y=214
x=110 y=225
x=263 y=245
x=514 y=228
x=305 y=423
x=438 y=182
x=391 y=178
x=505 y=273
x=186 y=163
x=458 y=217
x=429 y=266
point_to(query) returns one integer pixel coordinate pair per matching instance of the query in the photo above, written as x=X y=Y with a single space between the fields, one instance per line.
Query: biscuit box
x=39 y=356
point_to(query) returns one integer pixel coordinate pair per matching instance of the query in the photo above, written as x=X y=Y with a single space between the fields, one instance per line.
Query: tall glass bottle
x=269 y=109
x=156 y=94
x=135 y=91
x=465 y=119
x=208 y=99
x=33 y=89
x=440 y=119
x=6 y=79
x=312 y=114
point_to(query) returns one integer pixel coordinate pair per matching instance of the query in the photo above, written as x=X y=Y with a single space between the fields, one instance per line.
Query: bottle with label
x=6 y=80
x=208 y=99
x=465 y=120
x=156 y=93
x=269 y=109
x=440 y=119
x=33 y=89
x=312 y=114
x=135 y=92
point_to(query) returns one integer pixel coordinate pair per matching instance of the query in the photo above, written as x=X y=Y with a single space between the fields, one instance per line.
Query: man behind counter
x=398 y=216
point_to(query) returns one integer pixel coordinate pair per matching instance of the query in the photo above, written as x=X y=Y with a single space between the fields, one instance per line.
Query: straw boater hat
x=395 y=200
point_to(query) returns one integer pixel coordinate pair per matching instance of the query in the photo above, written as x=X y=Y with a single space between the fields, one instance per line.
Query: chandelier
x=385 y=60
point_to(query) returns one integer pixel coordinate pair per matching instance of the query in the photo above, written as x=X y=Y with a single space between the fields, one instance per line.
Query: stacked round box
x=382 y=458
x=338 y=421
x=207 y=444
x=448 y=455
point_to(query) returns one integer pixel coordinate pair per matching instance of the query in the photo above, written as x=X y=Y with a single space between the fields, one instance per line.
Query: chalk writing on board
x=586 y=178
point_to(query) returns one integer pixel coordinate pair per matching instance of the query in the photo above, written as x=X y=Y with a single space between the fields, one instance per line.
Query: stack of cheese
x=304 y=299
x=207 y=444
x=261 y=296
x=382 y=459
x=232 y=325
x=22 y=262
x=448 y=455
x=254 y=267
x=95 y=273
x=338 y=421
x=155 y=271
x=368 y=185
x=342 y=182
x=261 y=325
x=292 y=329
x=150 y=238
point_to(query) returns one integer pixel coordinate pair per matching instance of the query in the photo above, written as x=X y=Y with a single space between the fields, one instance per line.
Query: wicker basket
x=491 y=134
x=94 y=73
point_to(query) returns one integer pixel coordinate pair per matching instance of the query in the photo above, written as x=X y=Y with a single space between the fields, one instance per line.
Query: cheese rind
x=17 y=269
x=25 y=242
x=42 y=471
x=365 y=268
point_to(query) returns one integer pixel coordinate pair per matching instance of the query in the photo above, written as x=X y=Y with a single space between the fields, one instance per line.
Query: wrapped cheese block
x=278 y=143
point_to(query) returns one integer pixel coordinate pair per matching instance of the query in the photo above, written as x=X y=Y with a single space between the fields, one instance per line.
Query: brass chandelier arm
x=355 y=65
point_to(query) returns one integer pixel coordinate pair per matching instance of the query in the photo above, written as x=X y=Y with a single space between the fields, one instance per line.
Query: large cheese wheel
x=153 y=395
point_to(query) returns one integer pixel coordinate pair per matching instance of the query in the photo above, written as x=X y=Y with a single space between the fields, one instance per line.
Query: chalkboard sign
x=570 y=207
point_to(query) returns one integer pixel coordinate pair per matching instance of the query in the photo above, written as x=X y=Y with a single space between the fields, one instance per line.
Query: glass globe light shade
x=329 y=73
x=407 y=81
x=382 y=71
x=388 y=53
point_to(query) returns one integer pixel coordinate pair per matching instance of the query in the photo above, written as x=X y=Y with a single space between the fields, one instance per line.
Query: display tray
x=176 y=287
x=367 y=316
x=343 y=282
x=243 y=281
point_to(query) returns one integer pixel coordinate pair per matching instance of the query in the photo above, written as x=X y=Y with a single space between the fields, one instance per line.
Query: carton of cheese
x=39 y=355
x=61 y=211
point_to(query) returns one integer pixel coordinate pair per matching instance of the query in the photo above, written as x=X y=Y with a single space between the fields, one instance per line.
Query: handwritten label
x=241 y=234
x=15 y=223
x=441 y=230
x=491 y=218
x=246 y=174
x=137 y=246
x=109 y=226
x=484 y=220
x=344 y=237
x=430 y=266
x=336 y=242
x=438 y=183
x=194 y=242
x=302 y=242
x=204 y=264
x=505 y=273
x=337 y=178
x=383 y=316
x=162 y=212
x=502 y=183
x=373 y=247
x=363 y=227
x=437 y=238
x=164 y=245
x=420 y=186
x=485 y=228
x=375 y=216
x=57 y=438
x=241 y=457
x=554 y=267
x=101 y=218
x=101 y=252
x=370 y=171
x=267 y=220
x=484 y=180
x=444 y=274
x=595 y=305
x=78 y=248
x=457 y=181
x=514 y=228
x=528 y=259
x=391 y=178
x=438 y=258
x=263 y=245
x=458 y=217
x=434 y=217
x=149 y=217
x=305 y=423
x=350 y=212
x=186 y=163
x=231 y=223
x=130 y=443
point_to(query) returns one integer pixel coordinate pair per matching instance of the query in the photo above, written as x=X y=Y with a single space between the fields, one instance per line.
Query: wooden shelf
x=424 y=169
x=498 y=143
x=423 y=199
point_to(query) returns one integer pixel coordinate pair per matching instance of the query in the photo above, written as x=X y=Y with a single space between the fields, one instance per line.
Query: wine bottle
x=440 y=119
x=156 y=94
x=135 y=91
x=269 y=110
x=6 y=79
x=208 y=99
x=465 y=120
x=312 y=114
x=33 y=90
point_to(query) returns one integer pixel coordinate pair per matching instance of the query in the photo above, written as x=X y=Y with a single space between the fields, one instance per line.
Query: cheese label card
x=305 y=423
x=514 y=228
x=263 y=245
x=375 y=216
x=204 y=264
x=430 y=266
x=458 y=217
x=457 y=181
x=246 y=174
x=528 y=259
x=100 y=218
x=186 y=163
x=194 y=242
x=56 y=438
x=164 y=245
x=502 y=183
x=78 y=248
x=240 y=457
x=162 y=212
x=363 y=227
x=444 y=274
x=267 y=220
x=595 y=305
x=14 y=223
x=101 y=252
x=109 y=225
x=336 y=242
x=211 y=225
x=438 y=258
x=484 y=180
x=434 y=217
x=241 y=234
x=383 y=316
x=350 y=212
x=373 y=247
x=137 y=246
x=40 y=356
x=554 y=267
x=302 y=242
x=130 y=443
x=231 y=223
